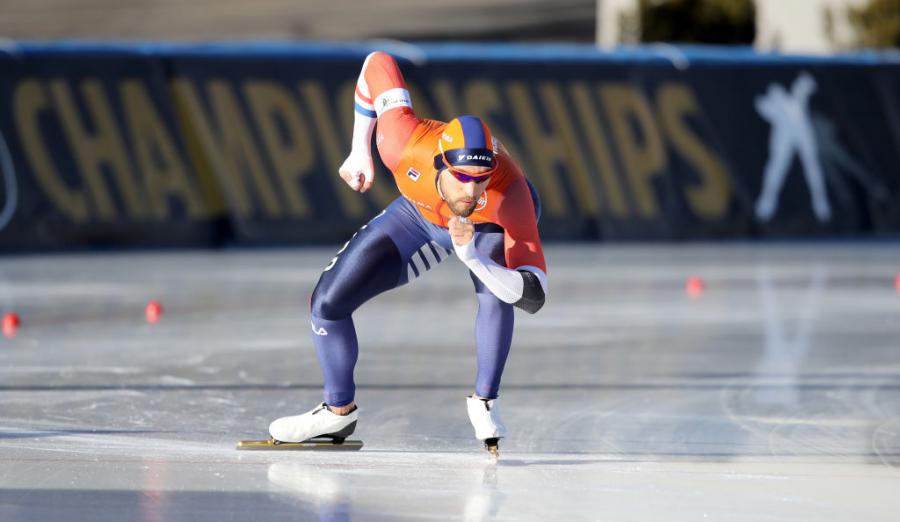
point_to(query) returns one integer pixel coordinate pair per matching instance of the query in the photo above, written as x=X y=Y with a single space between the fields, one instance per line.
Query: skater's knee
x=324 y=305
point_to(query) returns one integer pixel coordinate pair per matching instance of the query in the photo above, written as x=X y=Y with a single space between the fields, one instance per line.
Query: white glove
x=358 y=171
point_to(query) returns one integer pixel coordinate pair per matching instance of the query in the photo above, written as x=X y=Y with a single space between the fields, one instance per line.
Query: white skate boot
x=485 y=418
x=317 y=422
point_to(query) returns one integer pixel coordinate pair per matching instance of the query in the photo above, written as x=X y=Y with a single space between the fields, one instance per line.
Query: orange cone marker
x=153 y=312
x=694 y=286
x=11 y=323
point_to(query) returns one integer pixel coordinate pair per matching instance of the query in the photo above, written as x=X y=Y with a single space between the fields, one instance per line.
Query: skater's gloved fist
x=461 y=230
x=358 y=171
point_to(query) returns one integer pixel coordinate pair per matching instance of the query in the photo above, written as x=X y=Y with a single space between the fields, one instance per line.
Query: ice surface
x=774 y=396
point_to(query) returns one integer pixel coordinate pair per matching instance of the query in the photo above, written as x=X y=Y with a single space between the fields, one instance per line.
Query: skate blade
x=307 y=445
x=493 y=447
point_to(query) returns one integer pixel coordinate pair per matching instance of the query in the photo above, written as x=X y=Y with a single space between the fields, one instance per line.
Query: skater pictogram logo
x=812 y=137
x=792 y=132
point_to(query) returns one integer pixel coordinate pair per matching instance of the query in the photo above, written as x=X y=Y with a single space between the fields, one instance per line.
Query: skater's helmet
x=466 y=141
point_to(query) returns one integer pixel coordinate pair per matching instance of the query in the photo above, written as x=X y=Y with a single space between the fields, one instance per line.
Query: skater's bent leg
x=337 y=350
x=493 y=338
x=494 y=322
x=369 y=265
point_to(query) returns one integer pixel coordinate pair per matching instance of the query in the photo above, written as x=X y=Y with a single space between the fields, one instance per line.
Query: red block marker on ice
x=694 y=286
x=153 y=312
x=897 y=283
x=11 y=323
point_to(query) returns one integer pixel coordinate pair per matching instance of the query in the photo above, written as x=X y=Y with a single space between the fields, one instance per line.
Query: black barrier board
x=203 y=145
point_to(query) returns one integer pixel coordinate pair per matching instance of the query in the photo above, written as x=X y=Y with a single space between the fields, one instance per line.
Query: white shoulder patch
x=391 y=99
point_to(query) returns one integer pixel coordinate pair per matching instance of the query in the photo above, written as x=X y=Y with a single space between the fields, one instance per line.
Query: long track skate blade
x=308 y=445
x=493 y=447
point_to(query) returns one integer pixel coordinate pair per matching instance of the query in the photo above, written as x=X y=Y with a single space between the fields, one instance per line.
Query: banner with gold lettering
x=204 y=145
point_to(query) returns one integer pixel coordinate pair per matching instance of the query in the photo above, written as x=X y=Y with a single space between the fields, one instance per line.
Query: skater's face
x=462 y=197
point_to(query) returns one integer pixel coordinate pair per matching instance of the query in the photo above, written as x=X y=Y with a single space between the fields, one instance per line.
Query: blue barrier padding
x=649 y=53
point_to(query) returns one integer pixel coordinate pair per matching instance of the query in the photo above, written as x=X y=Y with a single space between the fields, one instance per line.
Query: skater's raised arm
x=381 y=94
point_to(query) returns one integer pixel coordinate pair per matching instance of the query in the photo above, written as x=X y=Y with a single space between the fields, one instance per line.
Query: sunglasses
x=464 y=177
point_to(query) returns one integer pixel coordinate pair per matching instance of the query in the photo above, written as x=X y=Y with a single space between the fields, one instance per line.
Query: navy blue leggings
x=391 y=250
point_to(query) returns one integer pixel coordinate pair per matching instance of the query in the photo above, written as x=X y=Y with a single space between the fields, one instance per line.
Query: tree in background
x=872 y=25
x=876 y=24
x=698 y=21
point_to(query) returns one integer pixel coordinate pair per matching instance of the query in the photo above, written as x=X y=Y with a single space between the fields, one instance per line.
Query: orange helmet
x=466 y=140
